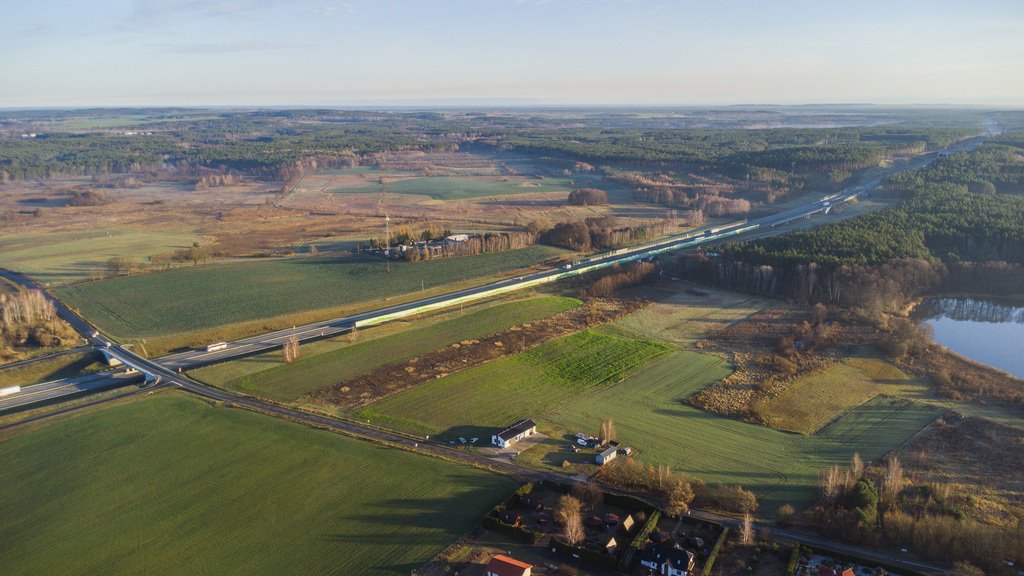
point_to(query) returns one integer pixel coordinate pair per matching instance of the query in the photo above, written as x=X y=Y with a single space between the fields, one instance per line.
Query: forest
x=942 y=234
x=271 y=144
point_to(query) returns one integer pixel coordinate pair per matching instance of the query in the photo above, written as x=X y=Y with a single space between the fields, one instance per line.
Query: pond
x=983 y=330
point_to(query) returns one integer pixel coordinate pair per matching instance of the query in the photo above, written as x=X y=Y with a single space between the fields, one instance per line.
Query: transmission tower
x=382 y=206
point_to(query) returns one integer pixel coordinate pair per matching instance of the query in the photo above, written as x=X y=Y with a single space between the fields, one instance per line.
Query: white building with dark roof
x=514 y=433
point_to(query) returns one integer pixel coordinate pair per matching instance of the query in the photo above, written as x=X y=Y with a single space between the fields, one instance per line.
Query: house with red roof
x=505 y=566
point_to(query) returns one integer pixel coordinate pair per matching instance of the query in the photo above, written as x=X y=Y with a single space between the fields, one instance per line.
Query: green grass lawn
x=171 y=485
x=779 y=467
x=288 y=382
x=494 y=394
x=458 y=188
x=62 y=257
x=205 y=297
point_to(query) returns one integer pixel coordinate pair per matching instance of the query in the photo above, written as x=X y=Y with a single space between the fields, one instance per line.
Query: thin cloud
x=226 y=47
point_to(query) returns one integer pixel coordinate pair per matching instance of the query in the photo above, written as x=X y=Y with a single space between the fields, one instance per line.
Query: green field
x=683 y=317
x=171 y=485
x=813 y=401
x=478 y=399
x=204 y=297
x=62 y=257
x=288 y=382
x=816 y=399
x=458 y=188
x=779 y=467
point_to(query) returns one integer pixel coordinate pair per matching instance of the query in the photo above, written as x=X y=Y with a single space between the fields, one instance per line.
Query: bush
x=732 y=499
x=785 y=514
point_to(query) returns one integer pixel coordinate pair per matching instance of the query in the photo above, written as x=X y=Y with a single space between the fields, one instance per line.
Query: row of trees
x=588 y=197
x=474 y=244
x=598 y=234
x=620 y=277
x=678 y=490
x=27 y=318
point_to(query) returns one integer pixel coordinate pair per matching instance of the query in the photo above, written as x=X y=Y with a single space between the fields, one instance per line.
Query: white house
x=668 y=560
x=514 y=433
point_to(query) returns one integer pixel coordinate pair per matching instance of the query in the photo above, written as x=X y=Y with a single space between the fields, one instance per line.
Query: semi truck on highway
x=10 y=390
x=217 y=346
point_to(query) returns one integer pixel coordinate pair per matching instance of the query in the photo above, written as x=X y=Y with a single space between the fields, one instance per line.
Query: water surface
x=982 y=330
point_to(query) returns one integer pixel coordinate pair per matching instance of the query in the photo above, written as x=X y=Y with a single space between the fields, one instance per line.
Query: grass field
x=649 y=415
x=191 y=299
x=814 y=400
x=62 y=257
x=287 y=382
x=458 y=188
x=170 y=485
x=682 y=317
x=491 y=395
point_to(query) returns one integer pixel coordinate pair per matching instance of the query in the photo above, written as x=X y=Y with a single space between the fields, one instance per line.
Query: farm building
x=668 y=560
x=505 y=566
x=607 y=455
x=514 y=433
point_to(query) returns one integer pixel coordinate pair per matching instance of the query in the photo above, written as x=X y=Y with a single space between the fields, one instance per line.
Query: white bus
x=217 y=346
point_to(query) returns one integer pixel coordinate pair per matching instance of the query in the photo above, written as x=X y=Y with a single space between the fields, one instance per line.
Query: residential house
x=510 y=517
x=531 y=502
x=505 y=566
x=514 y=433
x=627 y=524
x=668 y=560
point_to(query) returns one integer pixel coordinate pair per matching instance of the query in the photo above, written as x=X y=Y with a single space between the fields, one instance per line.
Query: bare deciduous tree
x=291 y=349
x=747 y=530
x=607 y=433
x=571 y=519
x=589 y=494
x=832 y=484
x=856 y=467
x=892 y=481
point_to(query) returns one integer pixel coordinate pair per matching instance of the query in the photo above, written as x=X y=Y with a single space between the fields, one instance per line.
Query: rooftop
x=516 y=429
x=505 y=566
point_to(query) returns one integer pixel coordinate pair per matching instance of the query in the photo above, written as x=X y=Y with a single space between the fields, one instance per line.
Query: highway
x=55 y=389
x=735 y=231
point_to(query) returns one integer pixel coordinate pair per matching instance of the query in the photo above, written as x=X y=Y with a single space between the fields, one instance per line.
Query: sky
x=510 y=52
